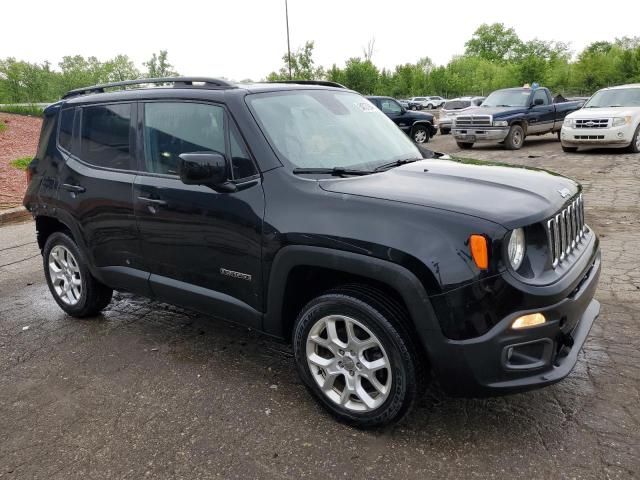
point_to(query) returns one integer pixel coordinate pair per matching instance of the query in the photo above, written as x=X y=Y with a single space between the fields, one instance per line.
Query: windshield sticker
x=366 y=106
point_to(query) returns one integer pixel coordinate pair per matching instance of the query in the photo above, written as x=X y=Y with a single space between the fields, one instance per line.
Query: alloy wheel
x=348 y=363
x=65 y=275
x=420 y=136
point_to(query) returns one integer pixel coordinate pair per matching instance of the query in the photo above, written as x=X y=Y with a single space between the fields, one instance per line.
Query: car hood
x=604 y=112
x=494 y=111
x=420 y=116
x=511 y=196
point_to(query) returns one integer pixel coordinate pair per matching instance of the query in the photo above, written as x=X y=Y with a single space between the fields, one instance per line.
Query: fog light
x=620 y=134
x=530 y=320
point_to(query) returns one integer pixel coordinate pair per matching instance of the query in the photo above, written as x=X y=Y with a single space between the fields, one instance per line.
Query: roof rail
x=323 y=83
x=178 y=82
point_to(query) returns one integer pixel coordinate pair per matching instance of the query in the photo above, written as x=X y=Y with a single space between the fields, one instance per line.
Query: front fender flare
x=395 y=276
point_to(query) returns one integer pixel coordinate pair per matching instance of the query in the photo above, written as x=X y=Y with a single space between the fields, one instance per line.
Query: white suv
x=429 y=102
x=610 y=118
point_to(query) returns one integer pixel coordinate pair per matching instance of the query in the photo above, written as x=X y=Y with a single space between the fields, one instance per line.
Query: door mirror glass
x=202 y=168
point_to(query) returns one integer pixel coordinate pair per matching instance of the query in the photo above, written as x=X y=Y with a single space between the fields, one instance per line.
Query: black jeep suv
x=420 y=126
x=265 y=205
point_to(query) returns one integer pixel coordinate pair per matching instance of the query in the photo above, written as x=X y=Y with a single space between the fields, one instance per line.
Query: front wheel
x=569 y=149
x=445 y=131
x=515 y=138
x=420 y=134
x=73 y=287
x=465 y=145
x=634 y=146
x=430 y=107
x=357 y=359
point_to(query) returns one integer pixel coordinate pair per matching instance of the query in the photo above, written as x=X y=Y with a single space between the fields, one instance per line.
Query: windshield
x=456 y=104
x=327 y=128
x=616 y=97
x=507 y=98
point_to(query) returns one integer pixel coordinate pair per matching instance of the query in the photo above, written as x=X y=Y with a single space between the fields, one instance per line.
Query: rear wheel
x=430 y=106
x=355 y=356
x=634 y=147
x=420 y=134
x=465 y=145
x=73 y=287
x=515 y=138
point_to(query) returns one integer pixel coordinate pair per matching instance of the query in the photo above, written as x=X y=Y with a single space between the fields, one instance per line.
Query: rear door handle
x=154 y=201
x=73 y=188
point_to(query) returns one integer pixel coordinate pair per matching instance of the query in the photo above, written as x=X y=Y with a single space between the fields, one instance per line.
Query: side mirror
x=204 y=168
x=538 y=101
x=403 y=110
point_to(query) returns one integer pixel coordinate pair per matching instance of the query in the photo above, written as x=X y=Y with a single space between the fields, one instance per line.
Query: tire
x=375 y=319
x=445 y=131
x=465 y=145
x=420 y=134
x=75 y=290
x=634 y=146
x=569 y=149
x=413 y=107
x=429 y=106
x=515 y=138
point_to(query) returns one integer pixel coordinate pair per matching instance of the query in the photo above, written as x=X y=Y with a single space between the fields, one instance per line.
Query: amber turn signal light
x=479 y=251
x=530 y=320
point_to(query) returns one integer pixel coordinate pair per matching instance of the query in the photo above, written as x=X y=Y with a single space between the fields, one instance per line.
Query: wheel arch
x=299 y=273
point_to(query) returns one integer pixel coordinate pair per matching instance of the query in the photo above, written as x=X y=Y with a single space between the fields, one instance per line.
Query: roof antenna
x=286 y=12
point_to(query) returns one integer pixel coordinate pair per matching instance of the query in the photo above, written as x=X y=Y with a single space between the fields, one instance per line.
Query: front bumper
x=479 y=134
x=601 y=137
x=504 y=360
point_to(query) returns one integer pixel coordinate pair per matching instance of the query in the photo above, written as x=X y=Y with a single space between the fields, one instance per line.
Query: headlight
x=619 y=121
x=516 y=248
x=568 y=122
x=501 y=123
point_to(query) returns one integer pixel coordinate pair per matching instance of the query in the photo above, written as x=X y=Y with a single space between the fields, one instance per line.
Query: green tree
x=494 y=42
x=120 y=68
x=158 y=66
x=302 y=66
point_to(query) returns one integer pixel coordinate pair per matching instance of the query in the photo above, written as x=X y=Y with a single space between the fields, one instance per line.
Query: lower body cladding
x=617 y=137
x=479 y=134
x=506 y=360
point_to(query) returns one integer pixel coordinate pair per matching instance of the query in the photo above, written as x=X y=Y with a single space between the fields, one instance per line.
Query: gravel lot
x=20 y=139
x=151 y=390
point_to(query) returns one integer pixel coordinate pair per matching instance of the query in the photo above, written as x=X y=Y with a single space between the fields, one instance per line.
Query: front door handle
x=73 y=188
x=154 y=201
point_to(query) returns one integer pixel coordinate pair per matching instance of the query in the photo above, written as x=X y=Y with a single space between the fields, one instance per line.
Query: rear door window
x=105 y=131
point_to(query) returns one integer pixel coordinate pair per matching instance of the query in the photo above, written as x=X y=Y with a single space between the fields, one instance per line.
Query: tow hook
x=565 y=339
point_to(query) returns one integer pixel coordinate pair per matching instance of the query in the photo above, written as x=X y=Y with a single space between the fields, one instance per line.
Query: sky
x=240 y=39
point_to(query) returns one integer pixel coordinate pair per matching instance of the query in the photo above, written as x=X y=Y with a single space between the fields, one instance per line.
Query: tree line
x=25 y=82
x=494 y=57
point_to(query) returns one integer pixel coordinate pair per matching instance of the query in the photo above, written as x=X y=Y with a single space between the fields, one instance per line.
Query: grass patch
x=31 y=110
x=3 y=127
x=21 y=163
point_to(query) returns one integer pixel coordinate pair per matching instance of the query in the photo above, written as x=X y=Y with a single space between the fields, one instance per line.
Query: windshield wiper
x=395 y=163
x=335 y=171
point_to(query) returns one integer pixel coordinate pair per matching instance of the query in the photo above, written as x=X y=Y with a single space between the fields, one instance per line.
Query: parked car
x=454 y=107
x=266 y=205
x=429 y=102
x=410 y=105
x=611 y=118
x=420 y=126
x=508 y=116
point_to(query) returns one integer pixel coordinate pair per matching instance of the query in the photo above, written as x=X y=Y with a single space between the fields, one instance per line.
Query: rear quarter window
x=65 y=133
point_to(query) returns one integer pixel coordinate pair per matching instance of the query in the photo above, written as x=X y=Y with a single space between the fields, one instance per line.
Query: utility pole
x=286 y=12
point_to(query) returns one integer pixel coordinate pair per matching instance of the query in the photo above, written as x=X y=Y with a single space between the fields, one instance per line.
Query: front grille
x=473 y=121
x=565 y=231
x=592 y=123
x=589 y=137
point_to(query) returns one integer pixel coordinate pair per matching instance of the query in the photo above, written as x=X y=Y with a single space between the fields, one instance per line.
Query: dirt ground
x=19 y=139
x=148 y=390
